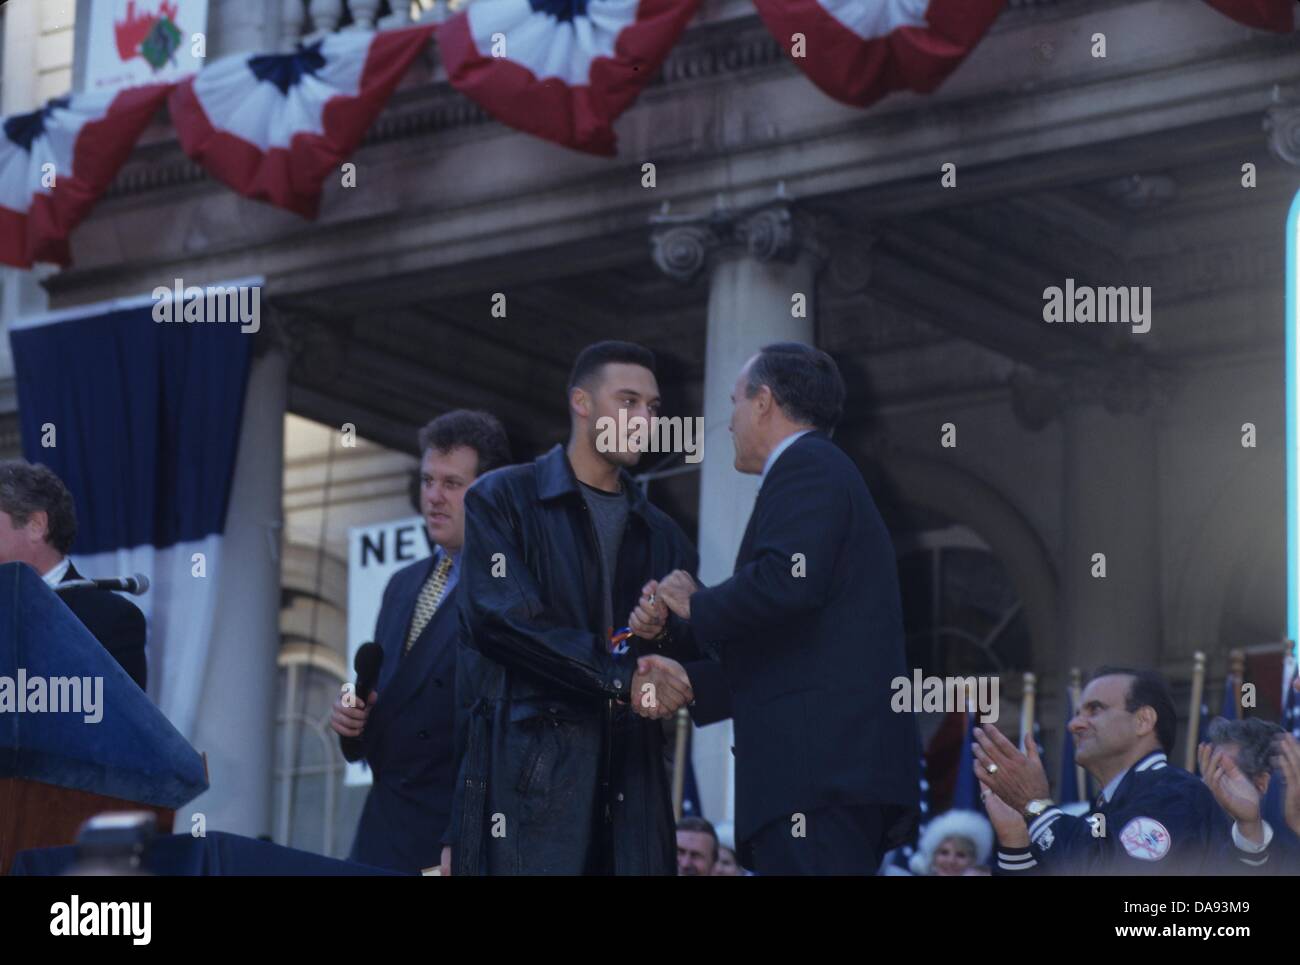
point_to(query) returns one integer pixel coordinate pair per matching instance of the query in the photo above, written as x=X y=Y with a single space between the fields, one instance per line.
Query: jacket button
x=553 y=710
x=618 y=685
x=423 y=735
x=620 y=795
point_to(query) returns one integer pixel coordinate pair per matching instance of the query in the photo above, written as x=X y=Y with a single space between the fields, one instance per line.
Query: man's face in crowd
x=18 y=543
x=444 y=477
x=952 y=857
x=726 y=866
x=694 y=853
x=745 y=435
x=1103 y=728
x=620 y=385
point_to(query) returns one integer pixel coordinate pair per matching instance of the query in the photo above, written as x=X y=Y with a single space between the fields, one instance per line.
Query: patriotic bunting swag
x=1276 y=15
x=274 y=127
x=560 y=69
x=857 y=51
x=55 y=163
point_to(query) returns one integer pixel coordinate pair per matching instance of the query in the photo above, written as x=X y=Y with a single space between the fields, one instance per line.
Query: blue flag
x=1069 y=784
x=1230 y=709
x=966 y=790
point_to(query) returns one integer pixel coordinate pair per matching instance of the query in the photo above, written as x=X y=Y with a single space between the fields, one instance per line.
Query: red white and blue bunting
x=56 y=161
x=1275 y=15
x=857 y=51
x=275 y=127
x=560 y=69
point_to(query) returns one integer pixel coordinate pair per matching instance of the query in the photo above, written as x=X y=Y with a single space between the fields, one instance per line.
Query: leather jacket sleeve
x=507 y=619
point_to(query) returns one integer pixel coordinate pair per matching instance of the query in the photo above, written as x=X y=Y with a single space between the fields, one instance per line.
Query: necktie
x=426 y=604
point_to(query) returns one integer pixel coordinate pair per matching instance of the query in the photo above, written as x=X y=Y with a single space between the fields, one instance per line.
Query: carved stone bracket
x=776 y=230
x=1282 y=124
x=1123 y=385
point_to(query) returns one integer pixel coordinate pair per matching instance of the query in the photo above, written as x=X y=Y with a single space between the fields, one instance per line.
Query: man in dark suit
x=404 y=728
x=809 y=632
x=38 y=524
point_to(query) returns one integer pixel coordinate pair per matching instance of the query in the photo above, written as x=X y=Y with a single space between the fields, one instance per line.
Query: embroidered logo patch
x=1146 y=839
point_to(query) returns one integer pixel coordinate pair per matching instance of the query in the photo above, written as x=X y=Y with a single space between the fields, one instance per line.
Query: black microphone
x=135 y=585
x=369 y=658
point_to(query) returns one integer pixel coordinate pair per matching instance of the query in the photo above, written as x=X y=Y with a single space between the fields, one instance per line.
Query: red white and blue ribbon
x=275 y=126
x=857 y=51
x=1275 y=15
x=560 y=69
x=55 y=162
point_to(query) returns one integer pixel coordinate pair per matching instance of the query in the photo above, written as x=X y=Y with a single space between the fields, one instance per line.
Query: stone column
x=758 y=261
x=1111 y=506
x=235 y=724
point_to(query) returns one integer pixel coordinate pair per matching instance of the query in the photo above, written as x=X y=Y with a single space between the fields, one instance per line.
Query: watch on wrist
x=1035 y=808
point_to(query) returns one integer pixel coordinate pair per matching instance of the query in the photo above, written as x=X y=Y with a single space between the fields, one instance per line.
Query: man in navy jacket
x=404 y=730
x=809 y=632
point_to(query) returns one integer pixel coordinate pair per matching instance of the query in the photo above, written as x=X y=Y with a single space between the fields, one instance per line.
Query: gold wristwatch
x=1035 y=808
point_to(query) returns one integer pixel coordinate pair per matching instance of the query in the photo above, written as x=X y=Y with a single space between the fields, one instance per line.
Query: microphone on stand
x=135 y=585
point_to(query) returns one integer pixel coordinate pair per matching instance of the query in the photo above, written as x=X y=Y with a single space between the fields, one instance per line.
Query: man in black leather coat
x=562 y=753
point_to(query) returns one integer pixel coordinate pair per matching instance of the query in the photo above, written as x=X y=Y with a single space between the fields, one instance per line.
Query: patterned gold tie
x=426 y=604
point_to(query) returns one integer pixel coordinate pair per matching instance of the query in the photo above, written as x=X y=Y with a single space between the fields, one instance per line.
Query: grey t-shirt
x=608 y=516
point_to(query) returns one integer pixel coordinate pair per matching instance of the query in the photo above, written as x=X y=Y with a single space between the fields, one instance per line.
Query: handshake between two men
x=661 y=686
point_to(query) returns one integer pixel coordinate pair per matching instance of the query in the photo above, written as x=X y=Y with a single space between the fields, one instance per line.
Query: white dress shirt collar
x=779 y=448
x=56 y=574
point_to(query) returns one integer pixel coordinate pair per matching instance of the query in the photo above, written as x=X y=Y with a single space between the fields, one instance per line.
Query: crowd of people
x=1150 y=817
x=513 y=728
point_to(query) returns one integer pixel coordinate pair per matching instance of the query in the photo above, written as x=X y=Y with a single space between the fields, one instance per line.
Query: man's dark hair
x=1148 y=689
x=480 y=431
x=595 y=357
x=805 y=382
x=26 y=489
x=1253 y=736
x=693 y=823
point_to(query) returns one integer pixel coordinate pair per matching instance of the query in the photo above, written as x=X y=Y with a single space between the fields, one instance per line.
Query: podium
x=77 y=736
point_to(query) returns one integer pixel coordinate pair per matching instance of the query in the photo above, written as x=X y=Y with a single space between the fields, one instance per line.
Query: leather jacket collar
x=555 y=480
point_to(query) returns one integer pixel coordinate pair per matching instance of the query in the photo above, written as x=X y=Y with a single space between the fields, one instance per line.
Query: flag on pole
x=1231 y=710
x=857 y=51
x=966 y=790
x=1203 y=728
x=274 y=126
x=1069 y=783
x=563 y=70
x=56 y=161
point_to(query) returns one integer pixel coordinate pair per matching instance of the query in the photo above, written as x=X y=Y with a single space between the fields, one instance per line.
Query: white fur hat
x=974 y=827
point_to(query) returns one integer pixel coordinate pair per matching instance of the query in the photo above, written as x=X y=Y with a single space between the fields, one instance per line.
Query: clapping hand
x=1234 y=791
x=1288 y=759
x=1014 y=777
